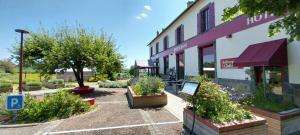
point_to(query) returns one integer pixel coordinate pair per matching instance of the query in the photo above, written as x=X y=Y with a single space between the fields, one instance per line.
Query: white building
x=68 y=75
x=199 y=42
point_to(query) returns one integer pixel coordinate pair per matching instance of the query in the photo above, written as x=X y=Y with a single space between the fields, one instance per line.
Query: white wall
x=191 y=61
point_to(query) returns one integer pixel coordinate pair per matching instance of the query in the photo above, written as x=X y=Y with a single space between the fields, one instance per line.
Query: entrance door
x=180 y=65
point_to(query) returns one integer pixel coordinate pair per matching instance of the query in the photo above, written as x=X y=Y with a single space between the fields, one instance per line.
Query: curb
x=19 y=125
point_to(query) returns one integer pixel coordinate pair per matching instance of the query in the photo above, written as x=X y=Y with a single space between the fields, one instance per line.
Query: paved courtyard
x=113 y=116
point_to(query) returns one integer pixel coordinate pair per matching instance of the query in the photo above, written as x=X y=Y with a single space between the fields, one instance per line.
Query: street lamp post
x=21 y=58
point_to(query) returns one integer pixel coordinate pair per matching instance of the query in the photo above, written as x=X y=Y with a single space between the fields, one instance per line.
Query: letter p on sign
x=14 y=102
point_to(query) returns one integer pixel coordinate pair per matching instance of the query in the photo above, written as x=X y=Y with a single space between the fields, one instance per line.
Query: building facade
x=233 y=53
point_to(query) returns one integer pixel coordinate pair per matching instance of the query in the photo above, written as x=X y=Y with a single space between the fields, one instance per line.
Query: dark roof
x=182 y=13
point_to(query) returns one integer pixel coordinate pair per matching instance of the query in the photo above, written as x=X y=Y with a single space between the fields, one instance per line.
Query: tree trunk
x=79 y=76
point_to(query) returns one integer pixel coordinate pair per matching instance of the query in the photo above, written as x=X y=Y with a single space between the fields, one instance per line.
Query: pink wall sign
x=238 y=24
x=228 y=63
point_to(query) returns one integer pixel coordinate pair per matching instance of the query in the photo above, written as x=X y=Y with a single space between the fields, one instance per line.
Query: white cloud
x=147 y=7
x=138 y=17
x=144 y=15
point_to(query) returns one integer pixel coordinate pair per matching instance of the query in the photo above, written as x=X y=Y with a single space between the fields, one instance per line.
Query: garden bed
x=254 y=126
x=54 y=86
x=283 y=123
x=143 y=101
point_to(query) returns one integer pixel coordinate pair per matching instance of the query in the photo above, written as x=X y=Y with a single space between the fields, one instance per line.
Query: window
x=207 y=59
x=166 y=65
x=179 y=34
x=205 y=20
x=166 y=43
x=151 y=51
x=157 y=48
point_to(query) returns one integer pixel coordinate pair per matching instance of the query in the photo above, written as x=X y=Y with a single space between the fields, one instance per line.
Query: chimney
x=157 y=33
x=189 y=3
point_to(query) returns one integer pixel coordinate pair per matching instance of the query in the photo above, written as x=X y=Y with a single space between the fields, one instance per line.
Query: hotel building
x=198 y=42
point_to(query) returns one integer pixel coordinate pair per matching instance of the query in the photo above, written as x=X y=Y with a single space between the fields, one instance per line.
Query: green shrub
x=148 y=86
x=112 y=84
x=5 y=83
x=33 y=83
x=3 y=111
x=56 y=81
x=215 y=105
x=61 y=105
x=266 y=103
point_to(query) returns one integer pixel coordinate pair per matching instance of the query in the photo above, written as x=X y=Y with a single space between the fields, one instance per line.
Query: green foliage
x=61 y=105
x=215 y=105
x=148 y=86
x=76 y=48
x=5 y=83
x=288 y=9
x=56 y=81
x=7 y=66
x=113 y=84
x=33 y=83
x=261 y=101
x=3 y=111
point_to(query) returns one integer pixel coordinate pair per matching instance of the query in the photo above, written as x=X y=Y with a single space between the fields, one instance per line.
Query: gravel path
x=112 y=116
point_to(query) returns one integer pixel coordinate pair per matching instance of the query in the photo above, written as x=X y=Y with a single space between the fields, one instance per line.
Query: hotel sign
x=256 y=19
x=228 y=63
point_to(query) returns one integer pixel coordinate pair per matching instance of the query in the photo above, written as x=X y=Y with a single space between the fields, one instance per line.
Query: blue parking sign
x=14 y=102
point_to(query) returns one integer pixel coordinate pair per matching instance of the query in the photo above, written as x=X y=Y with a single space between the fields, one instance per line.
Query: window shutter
x=211 y=15
x=182 y=33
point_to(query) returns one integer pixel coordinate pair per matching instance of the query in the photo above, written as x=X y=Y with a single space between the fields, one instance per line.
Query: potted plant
x=147 y=92
x=55 y=83
x=32 y=85
x=5 y=86
x=283 y=117
x=216 y=114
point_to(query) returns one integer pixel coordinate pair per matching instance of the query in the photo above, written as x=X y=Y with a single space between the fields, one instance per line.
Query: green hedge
x=148 y=86
x=5 y=83
x=33 y=83
x=211 y=103
x=56 y=81
x=112 y=84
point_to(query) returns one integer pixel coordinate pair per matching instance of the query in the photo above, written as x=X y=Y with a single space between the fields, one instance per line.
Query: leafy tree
x=7 y=66
x=74 y=48
x=288 y=9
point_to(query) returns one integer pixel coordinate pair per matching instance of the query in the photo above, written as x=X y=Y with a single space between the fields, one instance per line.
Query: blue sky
x=133 y=23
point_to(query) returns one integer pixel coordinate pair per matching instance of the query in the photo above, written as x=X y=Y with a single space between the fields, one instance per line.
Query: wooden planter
x=255 y=126
x=280 y=124
x=54 y=86
x=6 y=89
x=32 y=88
x=137 y=101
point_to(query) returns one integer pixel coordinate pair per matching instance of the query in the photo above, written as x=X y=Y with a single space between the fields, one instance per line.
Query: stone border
x=222 y=128
x=146 y=101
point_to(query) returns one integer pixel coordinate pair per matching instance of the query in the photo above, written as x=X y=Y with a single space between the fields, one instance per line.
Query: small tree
x=7 y=66
x=288 y=9
x=74 y=48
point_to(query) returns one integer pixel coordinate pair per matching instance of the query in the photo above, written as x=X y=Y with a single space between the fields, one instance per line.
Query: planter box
x=31 y=88
x=255 y=126
x=137 y=101
x=280 y=123
x=6 y=89
x=54 y=86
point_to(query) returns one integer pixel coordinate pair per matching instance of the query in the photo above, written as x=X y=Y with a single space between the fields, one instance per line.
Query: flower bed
x=5 y=86
x=112 y=84
x=32 y=85
x=216 y=114
x=83 y=90
x=147 y=92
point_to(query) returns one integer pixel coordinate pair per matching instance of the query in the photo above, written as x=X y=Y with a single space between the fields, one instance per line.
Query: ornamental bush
x=148 y=86
x=59 y=106
x=112 y=84
x=33 y=83
x=56 y=81
x=211 y=103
